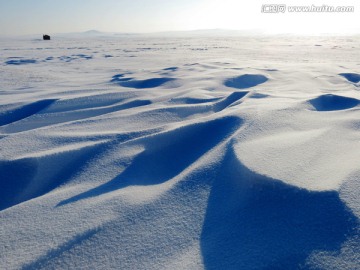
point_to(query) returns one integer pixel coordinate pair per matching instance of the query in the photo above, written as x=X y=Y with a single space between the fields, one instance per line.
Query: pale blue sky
x=60 y=16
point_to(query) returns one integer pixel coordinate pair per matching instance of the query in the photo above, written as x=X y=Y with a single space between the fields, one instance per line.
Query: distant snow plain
x=180 y=152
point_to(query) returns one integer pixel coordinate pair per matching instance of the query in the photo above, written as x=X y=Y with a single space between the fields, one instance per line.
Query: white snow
x=180 y=152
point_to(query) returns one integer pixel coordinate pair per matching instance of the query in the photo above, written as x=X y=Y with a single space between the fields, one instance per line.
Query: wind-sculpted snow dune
x=228 y=153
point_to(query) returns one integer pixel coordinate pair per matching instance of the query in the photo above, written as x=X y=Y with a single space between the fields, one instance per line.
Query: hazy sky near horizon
x=18 y=17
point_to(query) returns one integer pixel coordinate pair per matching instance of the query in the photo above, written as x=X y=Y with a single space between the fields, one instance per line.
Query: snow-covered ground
x=180 y=153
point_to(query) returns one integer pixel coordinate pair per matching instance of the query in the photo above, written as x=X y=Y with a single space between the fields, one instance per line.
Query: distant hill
x=211 y=32
x=91 y=33
x=190 y=33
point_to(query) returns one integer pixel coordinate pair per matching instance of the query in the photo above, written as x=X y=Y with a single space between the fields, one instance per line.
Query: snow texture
x=180 y=153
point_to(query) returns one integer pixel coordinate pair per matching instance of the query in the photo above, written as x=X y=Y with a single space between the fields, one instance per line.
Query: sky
x=19 y=17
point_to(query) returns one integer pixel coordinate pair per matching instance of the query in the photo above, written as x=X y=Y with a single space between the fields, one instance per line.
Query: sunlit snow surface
x=180 y=153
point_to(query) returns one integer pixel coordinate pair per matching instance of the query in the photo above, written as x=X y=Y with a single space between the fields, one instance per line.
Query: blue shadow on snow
x=18 y=62
x=25 y=111
x=166 y=155
x=245 y=81
x=254 y=222
x=333 y=103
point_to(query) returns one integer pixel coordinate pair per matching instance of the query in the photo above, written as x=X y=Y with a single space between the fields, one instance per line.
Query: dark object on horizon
x=46 y=37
